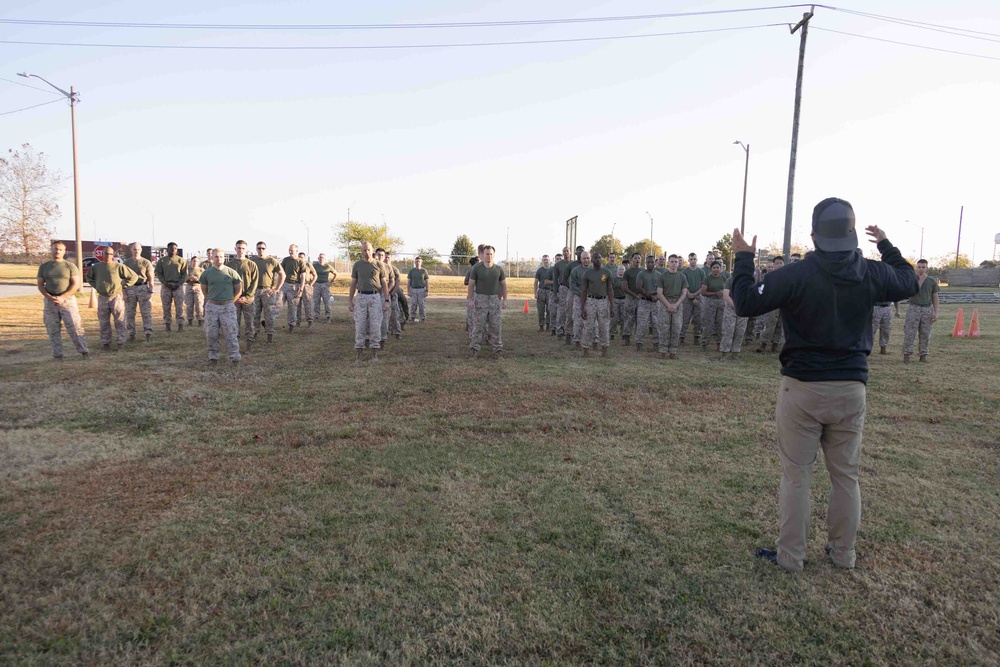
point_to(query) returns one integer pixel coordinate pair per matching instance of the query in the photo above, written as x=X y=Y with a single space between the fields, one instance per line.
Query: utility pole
x=650 y=233
x=746 y=172
x=804 y=25
x=961 y=212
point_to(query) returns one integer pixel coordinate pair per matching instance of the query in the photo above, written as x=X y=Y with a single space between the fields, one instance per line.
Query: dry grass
x=538 y=509
x=18 y=274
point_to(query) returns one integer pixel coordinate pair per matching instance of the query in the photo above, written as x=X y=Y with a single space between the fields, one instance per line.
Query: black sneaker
x=770 y=555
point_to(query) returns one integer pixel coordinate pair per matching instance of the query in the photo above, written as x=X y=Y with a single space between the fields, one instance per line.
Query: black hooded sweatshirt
x=826 y=303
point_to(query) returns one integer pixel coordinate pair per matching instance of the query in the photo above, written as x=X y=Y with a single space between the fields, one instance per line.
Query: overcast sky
x=210 y=145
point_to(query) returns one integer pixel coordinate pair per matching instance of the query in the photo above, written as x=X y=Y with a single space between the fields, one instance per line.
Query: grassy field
x=539 y=509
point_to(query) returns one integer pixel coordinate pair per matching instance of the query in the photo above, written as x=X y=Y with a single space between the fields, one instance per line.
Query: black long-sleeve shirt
x=826 y=305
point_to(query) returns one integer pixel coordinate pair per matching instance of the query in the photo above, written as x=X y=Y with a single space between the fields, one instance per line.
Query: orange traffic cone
x=974 y=324
x=959 y=330
x=525 y=311
x=93 y=298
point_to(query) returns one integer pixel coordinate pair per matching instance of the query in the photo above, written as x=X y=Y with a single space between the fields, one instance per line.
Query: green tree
x=948 y=262
x=351 y=235
x=607 y=244
x=774 y=249
x=461 y=250
x=723 y=249
x=28 y=206
x=641 y=247
x=429 y=255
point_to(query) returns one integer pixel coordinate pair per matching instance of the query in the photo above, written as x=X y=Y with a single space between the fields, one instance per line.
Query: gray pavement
x=17 y=290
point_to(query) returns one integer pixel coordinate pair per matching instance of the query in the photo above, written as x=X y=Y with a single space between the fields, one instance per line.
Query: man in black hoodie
x=826 y=305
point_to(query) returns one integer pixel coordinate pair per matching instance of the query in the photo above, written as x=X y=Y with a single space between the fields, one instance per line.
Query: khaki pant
x=220 y=322
x=489 y=322
x=141 y=296
x=67 y=314
x=597 y=324
x=692 y=313
x=194 y=302
x=419 y=296
x=645 y=318
x=670 y=327
x=882 y=324
x=810 y=416
x=712 y=309
x=321 y=299
x=368 y=320
x=109 y=310
x=733 y=330
x=173 y=297
x=918 y=322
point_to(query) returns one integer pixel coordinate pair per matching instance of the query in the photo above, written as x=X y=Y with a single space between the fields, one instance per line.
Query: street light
x=650 y=233
x=73 y=98
x=152 y=229
x=746 y=172
x=308 y=251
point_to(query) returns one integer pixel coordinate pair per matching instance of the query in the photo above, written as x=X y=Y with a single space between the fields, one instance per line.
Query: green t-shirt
x=395 y=276
x=267 y=267
x=576 y=279
x=613 y=268
x=541 y=275
x=714 y=284
x=557 y=271
x=171 y=269
x=673 y=284
x=925 y=296
x=194 y=273
x=417 y=278
x=487 y=279
x=616 y=283
x=323 y=271
x=109 y=280
x=293 y=268
x=221 y=282
x=57 y=275
x=246 y=268
x=596 y=282
x=567 y=272
x=368 y=275
x=139 y=265
x=693 y=277
x=629 y=278
x=647 y=281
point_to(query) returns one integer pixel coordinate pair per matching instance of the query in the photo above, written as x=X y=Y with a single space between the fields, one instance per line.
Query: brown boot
x=638 y=347
x=626 y=340
x=577 y=343
x=663 y=355
x=168 y=326
x=475 y=353
x=906 y=358
x=883 y=350
x=149 y=336
x=270 y=338
x=180 y=326
x=131 y=337
x=672 y=355
x=604 y=352
x=360 y=352
x=569 y=340
x=923 y=357
x=541 y=327
x=586 y=352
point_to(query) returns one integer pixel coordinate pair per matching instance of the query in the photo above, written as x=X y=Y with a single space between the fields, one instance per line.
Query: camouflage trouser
x=194 y=302
x=751 y=325
x=562 y=303
x=577 y=321
x=419 y=296
x=733 y=330
x=617 y=316
x=220 y=320
x=306 y=304
x=597 y=326
x=142 y=296
x=645 y=318
x=882 y=324
x=245 y=319
x=108 y=309
x=367 y=320
x=771 y=330
x=263 y=304
x=292 y=297
x=692 y=313
x=395 y=316
x=321 y=299
x=68 y=314
x=542 y=306
x=669 y=325
x=572 y=311
x=711 y=319
x=384 y=329
x=470 y=319
x=175 y=297
x=630 y=310
x=489 y=322
x=918 y=321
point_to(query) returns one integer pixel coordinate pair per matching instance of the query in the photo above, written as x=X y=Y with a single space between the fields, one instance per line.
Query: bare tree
x=28 y=207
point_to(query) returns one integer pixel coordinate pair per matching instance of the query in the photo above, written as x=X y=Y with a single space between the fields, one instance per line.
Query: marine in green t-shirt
x=575 y=282
x=246 y=269
x=56 y=276
x=270 y=275
x=325 y=271
x=416 y=278
x=672 y=284
x=594 y=283
x=694 y=276
x=925 y=296
x=487 y=280
x=367 y=276
x=141 y=266
x=646 y=282
x=714 y=284
x=171 y=269
x=293 y=267
x=221 y=283
x=109 y=278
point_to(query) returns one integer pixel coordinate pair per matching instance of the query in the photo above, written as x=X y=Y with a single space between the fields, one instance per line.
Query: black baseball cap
x=833 y=226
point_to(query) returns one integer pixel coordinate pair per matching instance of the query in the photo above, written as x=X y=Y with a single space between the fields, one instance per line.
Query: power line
x=958 y=32
x=395 y=46
x=18 y=83
x=916 y=46
x=7 y=113
x=387 y=26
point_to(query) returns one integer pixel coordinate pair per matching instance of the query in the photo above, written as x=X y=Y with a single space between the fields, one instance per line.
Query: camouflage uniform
x=669 y=325
x=918 y=323
x=692 y=304
x=469 y=312
x=542 y=306
x=194 y=299
x=395 y=314
x=141 y=295
x=172 y=273
x=733 y=330
x=265 y=304
x=321 y=299
x=489 y=322
x=598 y=317
x=562 y=304
x=221 y=319
x=771 y=330
x=109 y=308
x=69 y=314
x=645 y=318
x=367 y=320
x=882 y=323
x=306 y=302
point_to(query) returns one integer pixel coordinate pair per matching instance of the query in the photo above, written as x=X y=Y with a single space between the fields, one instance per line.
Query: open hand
x=740 y=244
x=875 y=233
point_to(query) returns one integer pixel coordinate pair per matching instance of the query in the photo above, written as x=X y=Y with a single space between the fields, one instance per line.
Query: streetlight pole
x=152 y=229
x=650 y=233
x=746 y=172
x=308 y=252
x=73 y=98
x=804 y=25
